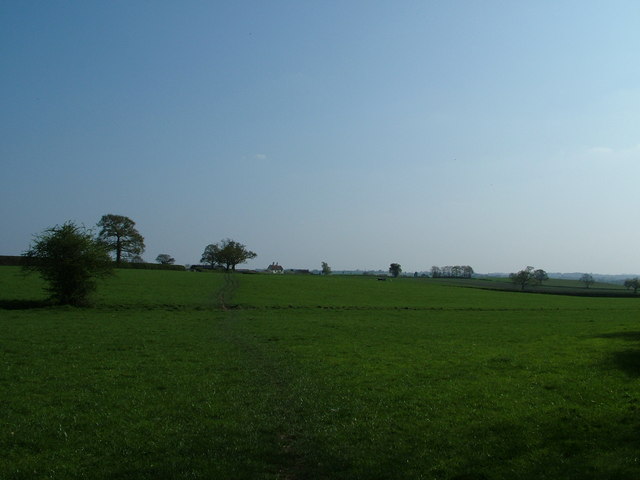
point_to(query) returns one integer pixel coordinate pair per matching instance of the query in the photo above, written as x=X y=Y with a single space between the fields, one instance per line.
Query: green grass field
x=308 y=377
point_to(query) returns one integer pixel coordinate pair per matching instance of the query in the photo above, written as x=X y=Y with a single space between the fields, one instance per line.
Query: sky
x=495 y=134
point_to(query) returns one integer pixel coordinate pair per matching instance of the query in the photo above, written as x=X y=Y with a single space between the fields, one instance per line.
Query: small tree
x=326 y=269
x=120 y=235
x=523 y=277
x=165 y=259
x=632 y=283
x=227 y=253
x=70 y=260
x=587 y=279
x=540 y=276
x=395 y=269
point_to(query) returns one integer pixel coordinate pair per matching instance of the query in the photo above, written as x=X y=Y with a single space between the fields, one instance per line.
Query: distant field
x=309 y=377
x=554 y=286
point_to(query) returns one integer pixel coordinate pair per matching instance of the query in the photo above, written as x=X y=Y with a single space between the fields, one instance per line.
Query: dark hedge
x=18 y=261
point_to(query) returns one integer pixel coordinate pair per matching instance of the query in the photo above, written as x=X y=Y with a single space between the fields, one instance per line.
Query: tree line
x=532 y=276
x=71 y=258
x=456 y=271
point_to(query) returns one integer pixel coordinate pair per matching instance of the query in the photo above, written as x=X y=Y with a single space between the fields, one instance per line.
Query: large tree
x=587 y=279
x=227 y=253
x=70 y=260
x=395 y=269
x=523 y=277
x=326 y=269
x=211 y=255
x=165 y=259
x=540 y=276
x=120 y=235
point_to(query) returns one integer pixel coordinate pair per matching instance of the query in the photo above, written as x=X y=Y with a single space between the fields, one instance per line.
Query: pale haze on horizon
x=492 y=134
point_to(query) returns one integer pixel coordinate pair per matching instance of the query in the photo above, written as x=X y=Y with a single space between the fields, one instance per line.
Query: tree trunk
x=118 y=250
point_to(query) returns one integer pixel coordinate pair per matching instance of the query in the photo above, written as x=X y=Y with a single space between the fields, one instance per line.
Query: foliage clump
x=587 y=279
x=70 y=260
x=455 y=271
x=528 y=276
x=119 y=234
x=395 y=269
x=227 y=253
x=165 y=259
x=632 y=283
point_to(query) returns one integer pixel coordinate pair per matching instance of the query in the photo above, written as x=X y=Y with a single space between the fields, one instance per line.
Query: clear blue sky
x=497 y=134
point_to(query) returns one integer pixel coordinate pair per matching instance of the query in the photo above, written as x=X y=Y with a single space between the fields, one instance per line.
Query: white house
x=275 y=268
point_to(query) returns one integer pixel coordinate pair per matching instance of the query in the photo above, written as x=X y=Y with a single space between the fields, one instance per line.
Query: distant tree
x=587 y=279
x=395 y=269
x=227 y=253
x=523 y=277
x=211 y=255
x=326 y=269
x=70 y=260
x=119 y=234
x=632 y=283
x=165 y=259
x=540 y=276
x=435 y=272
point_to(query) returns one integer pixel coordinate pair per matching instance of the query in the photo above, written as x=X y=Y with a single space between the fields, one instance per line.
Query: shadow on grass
x=24 y=304
x=632 y=336
x=560 y=443
x=627 y=360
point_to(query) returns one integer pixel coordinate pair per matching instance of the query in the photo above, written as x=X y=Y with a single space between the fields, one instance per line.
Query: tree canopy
x=119 y=234
x=165 y=259
x=395 y=269
x=523 y=277
x=70 y=260
x=528 y=276
x=210 y=255
x=633 y=283
x=539 y=276
x=226 y=253
x=326 y=269
x=456 y=271
x=587 y=279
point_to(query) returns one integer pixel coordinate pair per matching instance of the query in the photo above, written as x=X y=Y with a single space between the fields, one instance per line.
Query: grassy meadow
x=308 y=377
